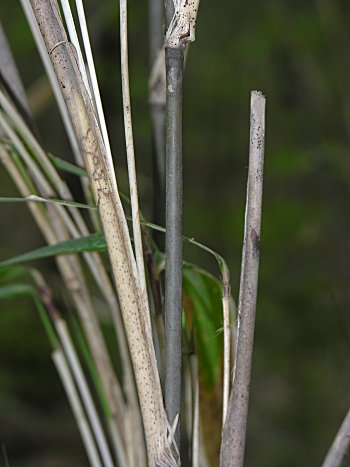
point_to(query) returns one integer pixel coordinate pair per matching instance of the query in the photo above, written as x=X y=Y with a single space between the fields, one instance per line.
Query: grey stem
x=234 y=432
x=173 y=238
x=340 y=445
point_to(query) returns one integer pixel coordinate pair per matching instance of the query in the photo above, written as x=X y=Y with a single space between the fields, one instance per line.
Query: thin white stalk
x=130 y=152
x=227 y=353
x=95 y=89
x=72 y=395
x=52 y=78
x=67 y=12
x=340 y=445
x=195 y=409
x=82 y=385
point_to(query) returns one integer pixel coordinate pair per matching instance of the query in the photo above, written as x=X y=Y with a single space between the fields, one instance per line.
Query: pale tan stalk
x=95 y=90
x=52 y=78
x=340 y=445
x=93 y=260
x=67 y=344
x=74 y=281
x=227 y=354
x=115 y=228
x=58 y=96
x=130 y=151
x=67 y=12
x=74 y=401
x=195 y=410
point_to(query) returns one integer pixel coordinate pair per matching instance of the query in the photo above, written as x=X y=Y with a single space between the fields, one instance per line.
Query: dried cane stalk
x=115 y=229
x=234 y=432
x=340 y=445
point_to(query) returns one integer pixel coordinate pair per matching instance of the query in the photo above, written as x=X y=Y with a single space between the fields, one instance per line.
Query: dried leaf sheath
x=115 y=229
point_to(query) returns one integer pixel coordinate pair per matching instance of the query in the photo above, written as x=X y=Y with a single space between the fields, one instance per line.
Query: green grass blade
x=25 y=290
x=15 y=291
x=91 y=366
x=93 y=242
x=39 y=199
x=67 y=166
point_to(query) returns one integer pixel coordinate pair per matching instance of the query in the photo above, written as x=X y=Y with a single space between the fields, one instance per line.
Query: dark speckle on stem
x=256 y=243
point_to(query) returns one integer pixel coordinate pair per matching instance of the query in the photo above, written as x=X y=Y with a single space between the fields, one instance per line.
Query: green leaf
x=203 y=307
x=67 y=166
x=39 y=199
x=93 y=242
x=12 y=273
x=15 y=291
x=84 y=348
x=25 y=290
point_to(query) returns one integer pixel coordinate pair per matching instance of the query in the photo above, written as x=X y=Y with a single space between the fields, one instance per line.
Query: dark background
x=297 y=53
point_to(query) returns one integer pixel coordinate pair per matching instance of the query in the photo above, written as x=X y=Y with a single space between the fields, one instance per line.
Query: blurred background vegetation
x=297 y=53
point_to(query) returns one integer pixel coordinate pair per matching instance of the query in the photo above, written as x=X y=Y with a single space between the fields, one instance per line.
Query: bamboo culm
x=234 y=432
x=173 y=238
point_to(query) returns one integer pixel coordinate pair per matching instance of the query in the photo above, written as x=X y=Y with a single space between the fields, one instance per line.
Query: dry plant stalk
x=340 y=445
x=76 y=406
x=115 y=229
x=234 y=432
x=53 y=230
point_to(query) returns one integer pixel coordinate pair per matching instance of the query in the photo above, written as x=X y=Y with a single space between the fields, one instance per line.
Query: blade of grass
x=234 y=432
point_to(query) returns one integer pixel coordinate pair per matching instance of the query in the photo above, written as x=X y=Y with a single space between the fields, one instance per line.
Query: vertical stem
x=195 y=410
x=227 y=353
x=340 y=445
x=130 y=151
x=173 y=239
x=234 y=432
x=73 y=397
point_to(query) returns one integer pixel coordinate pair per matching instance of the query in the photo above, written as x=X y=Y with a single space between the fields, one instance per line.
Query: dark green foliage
x=203 y=309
